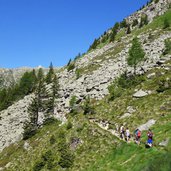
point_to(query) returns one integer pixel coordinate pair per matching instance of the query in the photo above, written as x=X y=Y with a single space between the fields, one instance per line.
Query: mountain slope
x=89 y=141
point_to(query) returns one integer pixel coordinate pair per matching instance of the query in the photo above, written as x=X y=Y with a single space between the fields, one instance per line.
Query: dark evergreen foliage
x=144 y=20
x=50 y=74
x=26 y=86
x=166 y=24
x=136 y=54
x=135 y=23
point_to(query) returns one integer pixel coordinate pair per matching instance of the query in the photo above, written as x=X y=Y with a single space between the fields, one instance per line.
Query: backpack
x=150 y=134
x=139 y=134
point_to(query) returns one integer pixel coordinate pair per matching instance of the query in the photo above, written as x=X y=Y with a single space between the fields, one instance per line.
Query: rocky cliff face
x=106 y=64
x=152 y=10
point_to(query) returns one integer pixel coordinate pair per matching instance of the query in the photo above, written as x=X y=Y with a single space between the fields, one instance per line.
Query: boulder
x=125 y=115
x=164 y=143
x=147 y=125
x=140 y=94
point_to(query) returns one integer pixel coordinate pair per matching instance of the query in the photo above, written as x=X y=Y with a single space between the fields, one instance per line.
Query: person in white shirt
x=127 y=134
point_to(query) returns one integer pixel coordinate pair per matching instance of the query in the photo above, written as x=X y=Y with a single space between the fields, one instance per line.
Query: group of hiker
x=125 y=135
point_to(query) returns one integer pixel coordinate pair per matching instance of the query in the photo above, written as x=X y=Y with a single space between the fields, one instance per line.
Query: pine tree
x=40 y=74
x=50 y=74
x=128 y=30
x=33 y=111
x=52 y=95
x=136 y=54
x=123 y=24
x=114 y=32
x=144 y=20
x=135 y=22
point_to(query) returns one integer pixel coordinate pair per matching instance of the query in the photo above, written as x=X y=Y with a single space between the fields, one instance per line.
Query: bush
x=46 y=159
x=114 y=91
x=166 y=23
x=38 y=166
x=144 y=20
x=29 y=131
x=163 y=85
x=69 y=125
x=87 y=107
x=78 y=73
x=167 y=49
x=135 y=23
x=52 y=140
x=49 y=121
x=125 y=81
x=66 y=157
x=71 y=66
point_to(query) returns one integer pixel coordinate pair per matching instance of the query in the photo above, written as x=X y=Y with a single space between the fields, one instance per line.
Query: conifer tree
x=136 y=54
x=128 y=30
x=52 y=95
x=50 y=74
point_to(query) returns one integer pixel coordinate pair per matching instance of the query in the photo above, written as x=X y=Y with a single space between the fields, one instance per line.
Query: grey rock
x=164 y=143
x=26 y=146
x=125 y=115
x=140 y=93
x=147 y=125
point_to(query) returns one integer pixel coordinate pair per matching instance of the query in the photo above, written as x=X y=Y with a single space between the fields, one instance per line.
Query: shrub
x=135 y=23
x=163 y=85
x=69 y=125
x=66 y=157
x=166 y=23
x=114 y=91
x=50 y=121
x=78 y=73
x=38 y=166
x=71 y=66
x=144 y=20
x=156 y=1
x=167 y=49
x=87 y=107
x=125 y=81
x=29 y=131
x=66 y=160
x=52 y=140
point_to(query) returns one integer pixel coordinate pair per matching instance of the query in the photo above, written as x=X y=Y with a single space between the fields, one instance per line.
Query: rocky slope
x=106 y=64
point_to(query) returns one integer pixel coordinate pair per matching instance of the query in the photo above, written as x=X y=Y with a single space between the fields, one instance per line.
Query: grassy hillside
x=84 y=146
x=98 y=149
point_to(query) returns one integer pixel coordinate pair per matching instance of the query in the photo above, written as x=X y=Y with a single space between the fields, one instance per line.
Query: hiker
x=137 y=136
x=150 y=138
x=127 y=134
x=149 y=142
x=150 y=134
x=122 y=132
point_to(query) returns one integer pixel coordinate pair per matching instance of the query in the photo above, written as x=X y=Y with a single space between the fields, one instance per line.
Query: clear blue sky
x=36 y=32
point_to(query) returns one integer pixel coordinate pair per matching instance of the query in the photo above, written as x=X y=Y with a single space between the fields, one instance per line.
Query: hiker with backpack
x=127 y=133
x=122 y=132
x=150 y=138
x=137 y=136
